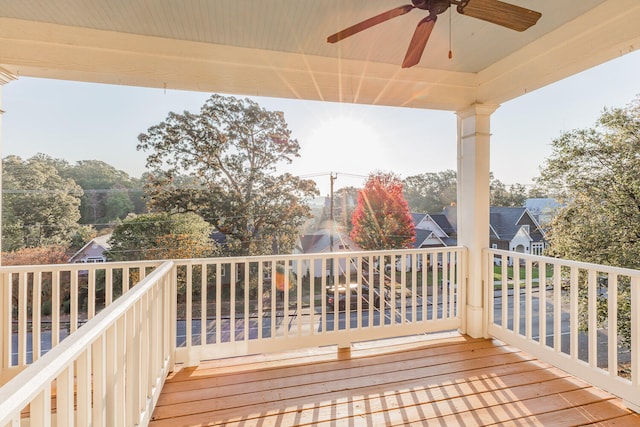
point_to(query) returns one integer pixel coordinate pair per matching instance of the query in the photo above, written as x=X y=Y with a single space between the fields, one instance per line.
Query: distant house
x=94 y=251
x=433 y=230
x=321 y=242
x=516 y=229
x=510 y=228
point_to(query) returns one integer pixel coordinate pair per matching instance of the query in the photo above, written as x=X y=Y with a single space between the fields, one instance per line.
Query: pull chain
x=450 y=53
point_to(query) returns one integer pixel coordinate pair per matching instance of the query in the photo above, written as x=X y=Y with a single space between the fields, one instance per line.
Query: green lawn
x=535 y=274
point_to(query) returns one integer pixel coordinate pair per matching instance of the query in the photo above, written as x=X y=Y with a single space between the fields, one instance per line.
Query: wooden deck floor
x=448 y=381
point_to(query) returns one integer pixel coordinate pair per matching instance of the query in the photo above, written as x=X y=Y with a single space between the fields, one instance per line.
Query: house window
x=537 y=248
x=344 y=247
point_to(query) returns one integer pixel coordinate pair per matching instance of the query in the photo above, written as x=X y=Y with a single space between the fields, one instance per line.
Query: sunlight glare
x=343 y=142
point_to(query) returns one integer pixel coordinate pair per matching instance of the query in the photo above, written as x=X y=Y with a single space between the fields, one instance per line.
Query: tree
x=594 y=173
x=513 y=196
x=36 y=256
x=82 y=235
x=538 y=190
x=39 y=207
x=430 y=192
x=109 y=193
x=226 y=158
x=43 y=255
x=161 y=236
x=382 y=219
x=344 y=203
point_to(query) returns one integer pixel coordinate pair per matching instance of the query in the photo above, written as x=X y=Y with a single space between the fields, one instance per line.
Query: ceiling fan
x=494 y=11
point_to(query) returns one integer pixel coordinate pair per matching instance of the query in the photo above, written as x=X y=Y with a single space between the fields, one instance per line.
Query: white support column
x=473 y=207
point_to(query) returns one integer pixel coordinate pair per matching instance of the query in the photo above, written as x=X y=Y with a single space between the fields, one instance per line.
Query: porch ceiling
x=278 y=48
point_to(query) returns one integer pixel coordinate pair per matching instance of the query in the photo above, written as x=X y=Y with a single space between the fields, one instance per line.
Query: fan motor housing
x=435 y=7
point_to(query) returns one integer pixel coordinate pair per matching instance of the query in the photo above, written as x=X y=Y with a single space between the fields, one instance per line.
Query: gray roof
x=505 y=221
x=421 y=235
x=309 y=242
x=321 y=241
x=451 y=212
x=417 y=217
x=443 y=222
x=103 y=240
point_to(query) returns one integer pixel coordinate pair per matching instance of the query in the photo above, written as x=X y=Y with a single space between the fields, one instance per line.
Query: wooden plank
x=452 y=363
x=328 y=407
x=274 y=360
x=302 y=385
x=628 y=420
x=192 y=379
x=604 y=413
x=511 y=372
x=449 y=382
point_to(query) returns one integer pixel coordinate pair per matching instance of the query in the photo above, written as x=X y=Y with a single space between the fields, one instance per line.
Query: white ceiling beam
x=54 y=51
x=602 y=34
x=38 y=49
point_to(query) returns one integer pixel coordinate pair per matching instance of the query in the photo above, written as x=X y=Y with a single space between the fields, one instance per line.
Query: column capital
x=477 y=109
x=6 y=76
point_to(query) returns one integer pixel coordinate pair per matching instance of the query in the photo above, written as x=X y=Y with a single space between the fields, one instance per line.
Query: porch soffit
x=278 y=48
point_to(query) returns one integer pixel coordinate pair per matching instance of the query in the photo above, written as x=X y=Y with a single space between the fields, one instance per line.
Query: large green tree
x=431 y=191
x=109 y=193
x=226 y=158
x=39 y=207
x=381 y=219
x=594 y=173
x=512 y=196
x=162 y=236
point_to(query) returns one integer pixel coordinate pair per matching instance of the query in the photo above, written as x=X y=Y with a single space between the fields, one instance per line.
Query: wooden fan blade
x=378 y=19
x=501 y=13
x=419 y=41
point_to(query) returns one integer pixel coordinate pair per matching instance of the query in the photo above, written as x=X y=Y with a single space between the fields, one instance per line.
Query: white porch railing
x=67 y=296
x=107 y=373
x=231 y=306
x=583 y=318
x=191 y=310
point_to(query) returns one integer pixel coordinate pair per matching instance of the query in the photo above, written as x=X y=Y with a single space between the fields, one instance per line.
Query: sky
x=85 y=121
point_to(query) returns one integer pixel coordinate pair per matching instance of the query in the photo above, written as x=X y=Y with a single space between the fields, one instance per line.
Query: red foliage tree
x=382 y=219
x=36 y=256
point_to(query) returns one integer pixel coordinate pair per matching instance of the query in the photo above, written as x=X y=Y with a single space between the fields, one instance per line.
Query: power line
x=103 y=190
x=352 y=175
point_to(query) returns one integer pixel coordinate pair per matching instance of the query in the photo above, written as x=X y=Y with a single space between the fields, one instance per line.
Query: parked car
x=365 y=296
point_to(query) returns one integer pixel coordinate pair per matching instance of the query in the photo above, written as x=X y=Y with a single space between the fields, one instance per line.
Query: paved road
x=565 y=327
x=332 y=321
x=338 y=321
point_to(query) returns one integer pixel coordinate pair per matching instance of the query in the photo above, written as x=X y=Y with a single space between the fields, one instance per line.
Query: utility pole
x=332 y=178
